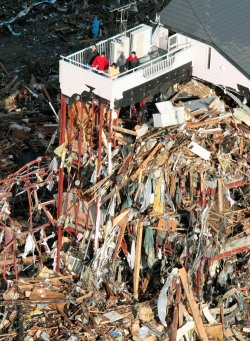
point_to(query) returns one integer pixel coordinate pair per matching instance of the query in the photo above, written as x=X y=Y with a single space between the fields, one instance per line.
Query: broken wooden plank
x=146 y=161
x=122 y=223
x=176 y=304
x=193 y=305
x=138 y=259
x=125 y=131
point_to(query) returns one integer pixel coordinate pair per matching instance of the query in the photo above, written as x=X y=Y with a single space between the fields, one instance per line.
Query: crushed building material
x=142 y=248
x=118 y=224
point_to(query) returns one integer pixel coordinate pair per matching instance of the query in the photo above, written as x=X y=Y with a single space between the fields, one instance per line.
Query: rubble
x=147 y=242
x=164 y=254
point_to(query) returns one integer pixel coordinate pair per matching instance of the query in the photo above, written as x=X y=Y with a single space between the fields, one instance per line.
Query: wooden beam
x=220 y=196
x=176 y=310
x=125 y=131
x=241 y=145
x=146 y=161
x=205 y=123
x=123 y=223
x=193 y=305
x=137 y=259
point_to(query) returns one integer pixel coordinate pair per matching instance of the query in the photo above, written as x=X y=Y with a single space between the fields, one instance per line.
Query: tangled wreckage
x=137 y=226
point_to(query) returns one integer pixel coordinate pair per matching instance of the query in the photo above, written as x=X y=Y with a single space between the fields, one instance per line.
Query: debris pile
x=29 y=121
x=150 y=242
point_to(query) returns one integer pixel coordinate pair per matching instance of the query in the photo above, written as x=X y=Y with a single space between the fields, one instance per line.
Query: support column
x=62 y=123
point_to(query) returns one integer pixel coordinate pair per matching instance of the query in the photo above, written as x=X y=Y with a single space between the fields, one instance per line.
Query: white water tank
x=118 y=46
x=141 y=41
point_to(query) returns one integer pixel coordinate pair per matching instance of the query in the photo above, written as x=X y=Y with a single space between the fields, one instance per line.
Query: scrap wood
x=211 y=121
x=175 y=317
x=187 y=231
x=146 y=161
x=39 y=293
x=126 y=131
x=215 y=331
x=193 y=305
x=138 y=258
x=2 y=66
x=123 y=223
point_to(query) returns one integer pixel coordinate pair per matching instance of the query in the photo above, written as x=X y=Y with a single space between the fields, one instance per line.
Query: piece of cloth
x=101 y=63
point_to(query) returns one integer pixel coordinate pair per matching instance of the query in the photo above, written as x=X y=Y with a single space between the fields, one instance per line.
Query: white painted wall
x=73 y=80
x=221 y=71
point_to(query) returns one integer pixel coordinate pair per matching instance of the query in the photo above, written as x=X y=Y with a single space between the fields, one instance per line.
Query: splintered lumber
x=65 y=316
x=212 y=121
x=146 y=281
x=193 y=305
x=215 y=331
x=125 y=131
x=176 y=310
x=137 y=259
x=220 y=195
x=241 y=145
x=43 y=293
x=146 y=161
x=123 y=223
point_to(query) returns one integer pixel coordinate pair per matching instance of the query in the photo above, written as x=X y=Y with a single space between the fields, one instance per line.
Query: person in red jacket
x=132 y=61
x=101 y=62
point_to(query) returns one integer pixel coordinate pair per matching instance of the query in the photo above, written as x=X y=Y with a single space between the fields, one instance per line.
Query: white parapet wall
x=74 y=80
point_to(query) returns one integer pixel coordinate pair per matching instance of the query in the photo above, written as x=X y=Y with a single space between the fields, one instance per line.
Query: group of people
x=101 y=63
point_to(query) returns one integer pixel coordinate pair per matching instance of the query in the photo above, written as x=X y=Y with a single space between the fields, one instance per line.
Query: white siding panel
x=221 y=71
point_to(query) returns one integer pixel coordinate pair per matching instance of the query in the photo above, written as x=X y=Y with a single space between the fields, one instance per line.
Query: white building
x=163 y=62
x=218 y=32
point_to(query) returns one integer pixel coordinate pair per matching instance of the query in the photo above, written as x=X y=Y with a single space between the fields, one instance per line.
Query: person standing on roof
x=132 y=61
x=121 y=62
x=95 y=28
x=92 y=53
x=101 y=62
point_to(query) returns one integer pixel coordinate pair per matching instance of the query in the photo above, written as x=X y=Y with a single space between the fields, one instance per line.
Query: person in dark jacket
x=132 y=61
x=92 y=54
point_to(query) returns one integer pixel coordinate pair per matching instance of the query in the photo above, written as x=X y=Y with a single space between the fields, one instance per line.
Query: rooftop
x=76 y=76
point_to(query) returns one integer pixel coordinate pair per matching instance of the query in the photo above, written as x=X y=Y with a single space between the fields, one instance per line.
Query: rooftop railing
x=80 y=58
x=156 y=64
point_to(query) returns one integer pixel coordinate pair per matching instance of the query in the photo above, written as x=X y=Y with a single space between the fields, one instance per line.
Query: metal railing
x=157 y=67
x=81 y=57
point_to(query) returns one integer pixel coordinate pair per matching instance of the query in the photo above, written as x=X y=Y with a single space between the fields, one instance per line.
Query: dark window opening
x=209 y=58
